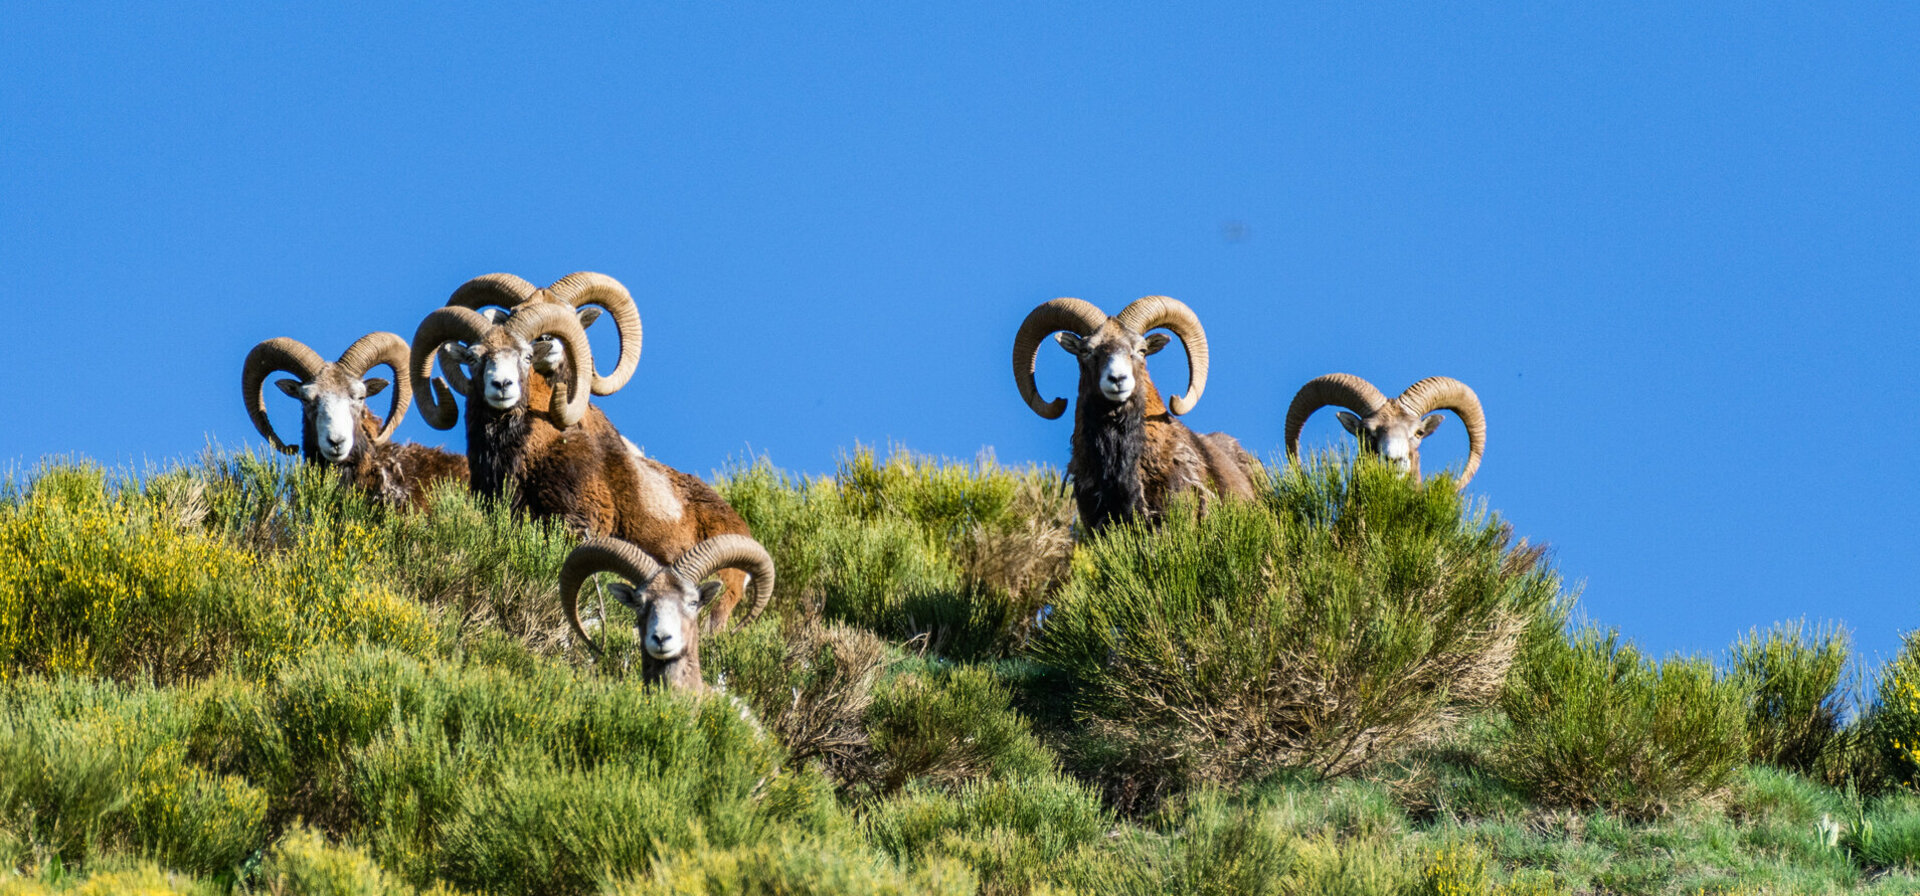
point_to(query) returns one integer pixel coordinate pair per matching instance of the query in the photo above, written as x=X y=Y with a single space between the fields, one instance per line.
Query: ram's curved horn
x=444 y=325
x=1436 y=392
x=450 y=368
x=1338 y=389
x=504 y=290
x=277 y=354
x=731 y=552
x=588 y=288
x=1076 y=315
x=1148 y=312
x=594 y=555
x=373 y=350
x=530 y=322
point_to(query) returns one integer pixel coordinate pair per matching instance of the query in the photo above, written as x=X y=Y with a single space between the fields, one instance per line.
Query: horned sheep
x=1392 y=428
x=538 y=437
x=336 y=428
x=1130 y=456
x=668 y=598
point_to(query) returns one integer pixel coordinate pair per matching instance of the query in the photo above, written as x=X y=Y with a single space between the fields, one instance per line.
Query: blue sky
x=1675 y=250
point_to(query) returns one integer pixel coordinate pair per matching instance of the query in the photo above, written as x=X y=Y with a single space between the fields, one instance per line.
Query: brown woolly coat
x=1109 y=483
x=594 y=479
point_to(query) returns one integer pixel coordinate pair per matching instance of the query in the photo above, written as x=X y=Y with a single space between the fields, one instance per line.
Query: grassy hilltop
x=237 y=677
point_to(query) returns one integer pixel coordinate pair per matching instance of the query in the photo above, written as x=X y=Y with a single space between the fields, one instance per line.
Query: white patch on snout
x=500 y=383
x=1397 y=449
x=1116 y=378
x=665 y=634
x=334 y=420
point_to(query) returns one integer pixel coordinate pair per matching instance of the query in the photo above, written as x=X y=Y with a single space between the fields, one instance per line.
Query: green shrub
x=1792 y=678
x=1329 y=624
x=810 y=685
x=141 y=880
x=486 y=566
x=304 y=863
x=793 y=867
x=1591 y=722
x=1015 y=833
x=956 y=557
x=1893 y=722
x=948 y=725
x=1209 y=845
x=88 y=768
x=104 y=579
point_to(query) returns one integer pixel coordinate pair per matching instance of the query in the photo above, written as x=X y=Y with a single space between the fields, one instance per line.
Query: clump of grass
x=1593 y=723
x=1886 y=835
x=1792 y=677
x=1325 y=626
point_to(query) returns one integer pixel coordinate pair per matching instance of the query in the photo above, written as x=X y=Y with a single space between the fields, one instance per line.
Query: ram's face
x=1114 y=359
x=669 y=610
x=1392 y=434
x=333 y=405
x=498 y=367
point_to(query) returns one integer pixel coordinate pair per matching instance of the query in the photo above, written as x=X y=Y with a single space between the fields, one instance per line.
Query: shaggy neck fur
x=1109 y=440
x=680 y=673
x=497 y=444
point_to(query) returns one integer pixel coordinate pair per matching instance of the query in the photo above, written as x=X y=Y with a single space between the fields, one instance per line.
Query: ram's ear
x=626 y=594
x=375 y=386
x=709 y=591
x=1070 y=341
x=589 y=314
x=1349 y=420
x=1156 y=342
x=291 y=387
x=1428 y=425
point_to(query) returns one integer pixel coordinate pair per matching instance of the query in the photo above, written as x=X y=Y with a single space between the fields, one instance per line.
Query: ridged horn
x=731 y=552
x=282 y=355
x=450 y=368
x=1049 y=317
x=504 y=290
x=569 y=402
x=1437 y=392
x=588 y=288
x=373 y=350
x=444 y=325
x=595 y=555
x=1338 y=389
x=1148 y=312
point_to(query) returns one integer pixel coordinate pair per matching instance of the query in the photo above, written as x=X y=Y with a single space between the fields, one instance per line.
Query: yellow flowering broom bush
x=103 y=579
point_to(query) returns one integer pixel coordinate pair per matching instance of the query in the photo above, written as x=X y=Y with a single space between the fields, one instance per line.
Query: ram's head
x=1392 y=428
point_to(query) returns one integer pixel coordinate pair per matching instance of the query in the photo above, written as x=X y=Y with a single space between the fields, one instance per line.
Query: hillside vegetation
x=239 y=677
